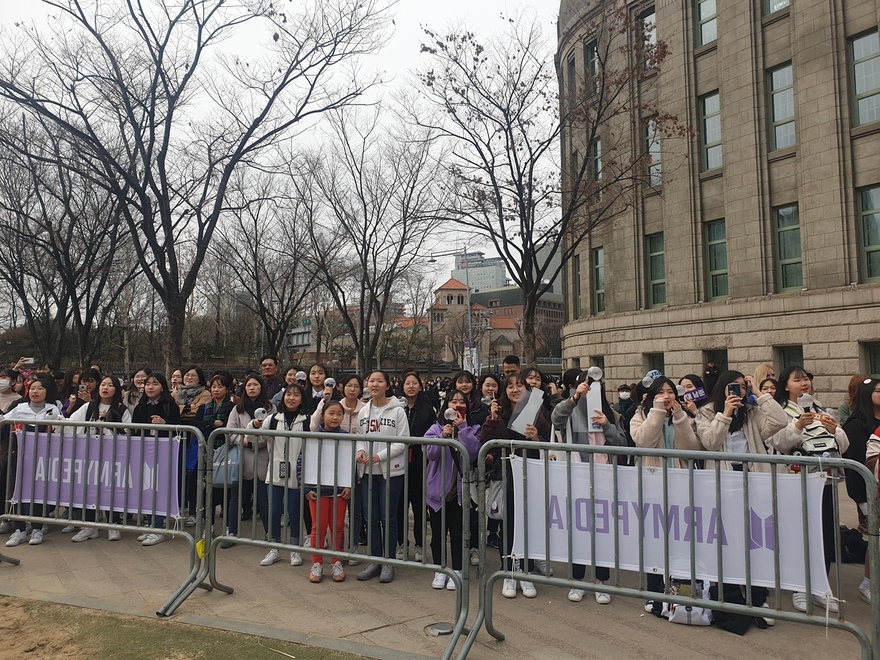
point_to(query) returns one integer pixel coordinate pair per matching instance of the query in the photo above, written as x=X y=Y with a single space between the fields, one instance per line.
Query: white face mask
x=4 y=384
x=623 y=395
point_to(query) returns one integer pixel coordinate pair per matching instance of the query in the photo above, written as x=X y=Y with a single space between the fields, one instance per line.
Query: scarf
x=186 y=394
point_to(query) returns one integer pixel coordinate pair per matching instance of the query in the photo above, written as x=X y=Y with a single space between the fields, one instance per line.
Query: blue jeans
x=378 y=515
x=260 y=497
x=277 y=508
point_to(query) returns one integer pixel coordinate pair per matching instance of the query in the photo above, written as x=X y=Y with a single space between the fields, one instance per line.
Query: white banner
x=558 y=516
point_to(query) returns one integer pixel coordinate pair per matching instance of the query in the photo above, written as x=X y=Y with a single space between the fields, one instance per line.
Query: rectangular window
x=591 y=66
x=656 y=268
x=595 y=155
x=649 y=36
x=870 y=232
x=571 y=75
x=716 y=259
x=598 y=361
x=718 y=357
x=789 y=356
x=574 y=167
x=707 y=20
x=651 y=361
x=782 y=108
x=652 y=147
x=789 y=267
x=872 y=360
x=866 y=77
x=576 y=286
x=710 y=120
x=598 y=280
x=773 y=6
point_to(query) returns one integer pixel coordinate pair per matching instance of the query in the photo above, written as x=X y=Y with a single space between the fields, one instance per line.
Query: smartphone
x=734 y=389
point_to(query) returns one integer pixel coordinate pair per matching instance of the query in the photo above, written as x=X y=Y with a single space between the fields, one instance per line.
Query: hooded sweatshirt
x=389 y=419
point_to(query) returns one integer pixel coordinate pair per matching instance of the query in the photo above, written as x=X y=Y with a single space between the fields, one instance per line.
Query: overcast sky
x=402 y=51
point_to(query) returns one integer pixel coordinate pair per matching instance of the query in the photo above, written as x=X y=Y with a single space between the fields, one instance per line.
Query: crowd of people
x=401 y=487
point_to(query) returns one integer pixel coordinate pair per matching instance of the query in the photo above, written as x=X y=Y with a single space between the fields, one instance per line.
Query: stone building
x=761 y=242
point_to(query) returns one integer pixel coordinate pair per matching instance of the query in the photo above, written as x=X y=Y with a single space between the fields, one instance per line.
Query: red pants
x=329 y=517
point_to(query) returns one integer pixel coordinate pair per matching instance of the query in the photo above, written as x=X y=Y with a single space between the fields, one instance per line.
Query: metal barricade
x=326 y=462
x=103 y=475
x=579 y=489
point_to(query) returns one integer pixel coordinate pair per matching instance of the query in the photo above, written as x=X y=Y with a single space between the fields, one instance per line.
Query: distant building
x=478 y=272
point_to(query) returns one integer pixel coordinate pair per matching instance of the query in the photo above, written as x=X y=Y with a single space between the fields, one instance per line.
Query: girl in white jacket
x=385 y=464
x=284 y=468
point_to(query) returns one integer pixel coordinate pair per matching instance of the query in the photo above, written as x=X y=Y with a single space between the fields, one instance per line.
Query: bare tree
x=166 y=116
x=374 y=205
x=263 y=237
x=498 y=104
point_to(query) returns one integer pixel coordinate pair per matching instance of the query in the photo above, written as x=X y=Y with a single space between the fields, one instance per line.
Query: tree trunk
x=176 y=309
x=528 y=331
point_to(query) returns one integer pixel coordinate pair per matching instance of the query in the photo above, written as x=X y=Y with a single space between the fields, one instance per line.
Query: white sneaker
x=153 y=539
x=770 y=622
x=68 y=529
x=141 y=538
x=439 y=581
x=601 y=597
x=865 y=592
x=418 y=551
x=399 y=553
x=295 y=559
x=5 y=527
x=190 y=522
x=317 y=573
x=17 y=538
x=114 y=535
x=576 y=595
x=508 y=590
x=85 y=534
x=475 y=557
x=821 y=601
x=271 y=557
x=450 y=583
x=799 y=601
x=528 y=589
x=36 y=537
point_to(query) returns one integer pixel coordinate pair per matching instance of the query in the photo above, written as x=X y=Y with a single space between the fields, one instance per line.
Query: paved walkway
x=388 y=620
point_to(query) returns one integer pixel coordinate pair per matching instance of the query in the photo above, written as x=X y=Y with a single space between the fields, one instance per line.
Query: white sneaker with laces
x=296 y=559
x=439 y=581
x=17 y=538
x=544 y=568
x=528 y=589
x=85 y=534
x=36 y=537
x=317 y=572
x=399 y=553
x=821 y=601
x=114 y=535
x=770 y=622
x=271 y=557
x=418 y=552
x=450 y=583
x=508 y=590
x=865 y=592
x=576 y=595
x=190 y=522
x=68 y=529
x=141 y=538
x=601 y=597
x=153 y=539
x=5 y=527
x=475 y=557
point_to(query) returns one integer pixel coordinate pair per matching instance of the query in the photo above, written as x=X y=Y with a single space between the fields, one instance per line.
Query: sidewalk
x=388 y=620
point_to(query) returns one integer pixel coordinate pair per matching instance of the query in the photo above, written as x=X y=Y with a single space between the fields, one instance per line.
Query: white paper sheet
x=336 y=461
x=594 y=403
x=526 y=411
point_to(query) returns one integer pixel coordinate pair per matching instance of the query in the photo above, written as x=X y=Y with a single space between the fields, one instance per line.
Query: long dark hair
x=441 y=419
x=504 y=402
x=719 y=398
x=116 y=405
x=659 y=382
x=863 y=405
x=345 y=380
x=166 y=393
x=67 y=384
x=476 y=395
x=781 y=395
x=305 y=402
x=246 y=404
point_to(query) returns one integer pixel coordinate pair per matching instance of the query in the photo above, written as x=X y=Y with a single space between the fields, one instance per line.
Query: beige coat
x=761 y=428
x=648 y=432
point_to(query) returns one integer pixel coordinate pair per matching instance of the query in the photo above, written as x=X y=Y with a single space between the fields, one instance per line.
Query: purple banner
x=125 y=474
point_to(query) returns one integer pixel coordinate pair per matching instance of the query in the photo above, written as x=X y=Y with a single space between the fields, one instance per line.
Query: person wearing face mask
x=624 y=399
